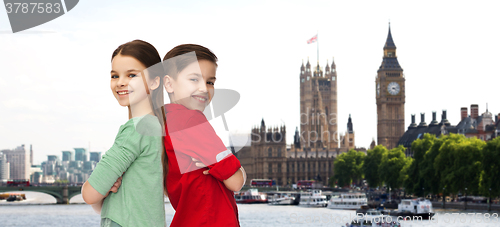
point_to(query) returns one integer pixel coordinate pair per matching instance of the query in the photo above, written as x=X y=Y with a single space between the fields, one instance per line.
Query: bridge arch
x=62 y=194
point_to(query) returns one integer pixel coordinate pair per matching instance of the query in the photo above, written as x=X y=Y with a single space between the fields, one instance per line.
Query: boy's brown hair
x=173 y=63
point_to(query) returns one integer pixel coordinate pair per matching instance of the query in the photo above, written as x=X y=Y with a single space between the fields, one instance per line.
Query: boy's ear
x=167 y=81
x=155 y=83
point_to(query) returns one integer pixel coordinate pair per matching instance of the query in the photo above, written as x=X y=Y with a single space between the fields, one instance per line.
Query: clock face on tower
x=393 y=88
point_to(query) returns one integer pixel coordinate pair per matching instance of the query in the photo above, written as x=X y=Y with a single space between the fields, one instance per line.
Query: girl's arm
x=94 y=198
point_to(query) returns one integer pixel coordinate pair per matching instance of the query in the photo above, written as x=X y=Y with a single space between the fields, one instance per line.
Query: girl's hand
x=200 y=164
x=116 y=185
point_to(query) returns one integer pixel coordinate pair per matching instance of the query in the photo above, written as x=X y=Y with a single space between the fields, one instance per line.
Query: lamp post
x=489 y=201
x=465 y=199
x=444 y=196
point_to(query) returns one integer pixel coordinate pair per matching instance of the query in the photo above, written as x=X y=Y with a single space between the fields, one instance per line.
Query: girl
x=200 y=196
x=137 y=150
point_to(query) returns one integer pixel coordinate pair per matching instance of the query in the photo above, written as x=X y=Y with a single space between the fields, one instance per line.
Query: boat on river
x=313 y=198
x=250 y=196
x=415 y=207
x=282 y=198
x=347 y=201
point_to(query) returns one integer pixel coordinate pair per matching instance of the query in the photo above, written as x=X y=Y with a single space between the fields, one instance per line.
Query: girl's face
x=126 y=80
x=194 y=85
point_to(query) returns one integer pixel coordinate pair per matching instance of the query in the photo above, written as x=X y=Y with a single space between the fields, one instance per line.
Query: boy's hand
x=200 y=164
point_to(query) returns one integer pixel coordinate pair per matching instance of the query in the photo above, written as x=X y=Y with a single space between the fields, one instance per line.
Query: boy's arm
x=236 y=181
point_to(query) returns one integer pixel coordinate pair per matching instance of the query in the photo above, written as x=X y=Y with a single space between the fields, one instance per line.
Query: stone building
x=390 y=97
x=474 y=125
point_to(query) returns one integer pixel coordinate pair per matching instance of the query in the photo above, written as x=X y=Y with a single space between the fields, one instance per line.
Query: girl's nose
x=122 y=81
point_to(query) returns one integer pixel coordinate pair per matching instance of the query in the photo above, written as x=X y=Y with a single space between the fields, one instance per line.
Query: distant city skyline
x=55 y=83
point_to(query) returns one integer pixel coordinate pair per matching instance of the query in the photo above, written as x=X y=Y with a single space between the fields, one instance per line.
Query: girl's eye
x=114 y=76
x=211 y=83
x=132 y=75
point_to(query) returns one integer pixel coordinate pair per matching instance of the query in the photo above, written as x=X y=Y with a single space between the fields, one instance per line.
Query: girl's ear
x=155 y=83
x=167 y=80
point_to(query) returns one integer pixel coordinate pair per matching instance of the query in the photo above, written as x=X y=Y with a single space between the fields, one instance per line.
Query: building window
x=309 y=167
x=279 y=152
x=270 y=152
x=270 y=168
x=279 y=167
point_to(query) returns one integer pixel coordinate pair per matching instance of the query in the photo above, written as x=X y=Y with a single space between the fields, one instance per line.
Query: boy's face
x=194 y=85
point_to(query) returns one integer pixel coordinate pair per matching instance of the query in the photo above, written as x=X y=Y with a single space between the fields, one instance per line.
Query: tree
x=430 y=180
x=391 y=166
x=459 y=163
x=348 y=167
x=371 y=165
x=490 y=169
x=415 y=180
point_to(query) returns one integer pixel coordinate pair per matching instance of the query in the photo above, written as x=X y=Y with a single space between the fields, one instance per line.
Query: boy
x=200 y=196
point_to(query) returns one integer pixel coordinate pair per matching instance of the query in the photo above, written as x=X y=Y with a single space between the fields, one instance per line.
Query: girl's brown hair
x=173 y=63
x=147 y=54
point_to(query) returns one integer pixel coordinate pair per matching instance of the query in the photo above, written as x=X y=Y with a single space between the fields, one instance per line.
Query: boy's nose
x=203 y=86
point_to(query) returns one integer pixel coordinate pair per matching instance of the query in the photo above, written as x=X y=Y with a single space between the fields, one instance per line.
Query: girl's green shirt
x=136 y=153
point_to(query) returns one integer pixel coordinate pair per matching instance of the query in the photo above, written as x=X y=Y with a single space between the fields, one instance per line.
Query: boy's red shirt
x=198 y=199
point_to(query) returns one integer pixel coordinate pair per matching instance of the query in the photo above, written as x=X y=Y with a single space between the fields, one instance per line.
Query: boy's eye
x=132 y=75
x=211 y=83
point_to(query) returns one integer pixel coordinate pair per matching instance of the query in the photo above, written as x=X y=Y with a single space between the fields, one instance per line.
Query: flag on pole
x=313 y=39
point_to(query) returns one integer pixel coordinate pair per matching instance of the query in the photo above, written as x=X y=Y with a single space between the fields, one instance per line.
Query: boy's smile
x=194 y=85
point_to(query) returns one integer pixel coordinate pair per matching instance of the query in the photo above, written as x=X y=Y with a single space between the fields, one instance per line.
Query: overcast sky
x=55 y=82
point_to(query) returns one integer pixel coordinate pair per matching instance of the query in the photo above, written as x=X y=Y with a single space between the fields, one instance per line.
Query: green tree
x=416 y=180
x=459 y=163
x=428 y=176
x=391 y=166
x=348 y=167
x=371 y=164
x=490 y=169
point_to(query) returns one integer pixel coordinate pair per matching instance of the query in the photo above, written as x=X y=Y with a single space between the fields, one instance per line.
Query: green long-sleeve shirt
x=137 y=152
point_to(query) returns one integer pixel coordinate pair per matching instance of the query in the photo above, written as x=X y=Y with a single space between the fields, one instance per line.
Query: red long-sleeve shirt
x=198 y=199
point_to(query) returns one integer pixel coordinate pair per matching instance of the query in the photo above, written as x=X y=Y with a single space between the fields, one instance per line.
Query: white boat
x=250 y=196
x=282 y=198
x=347 y=201
x=416 y=207
x=313 y=198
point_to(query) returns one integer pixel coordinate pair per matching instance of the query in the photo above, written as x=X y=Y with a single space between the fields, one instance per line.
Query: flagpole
x=317 y=50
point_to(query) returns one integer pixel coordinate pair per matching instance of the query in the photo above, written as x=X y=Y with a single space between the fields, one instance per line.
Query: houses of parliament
x=317 y=143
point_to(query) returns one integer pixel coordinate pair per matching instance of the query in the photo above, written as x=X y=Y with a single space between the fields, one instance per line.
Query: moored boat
x=347 y=201
x=283 y=198
x=250 y=196
x=415 y=207
x=313 y=198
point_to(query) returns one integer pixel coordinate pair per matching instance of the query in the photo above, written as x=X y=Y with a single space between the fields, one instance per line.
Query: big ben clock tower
x=390 y=97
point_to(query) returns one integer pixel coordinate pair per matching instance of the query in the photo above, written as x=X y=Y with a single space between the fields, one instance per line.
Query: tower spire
x=389 y=43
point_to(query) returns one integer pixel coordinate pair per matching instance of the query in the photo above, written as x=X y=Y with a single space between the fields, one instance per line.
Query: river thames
x=39 y=210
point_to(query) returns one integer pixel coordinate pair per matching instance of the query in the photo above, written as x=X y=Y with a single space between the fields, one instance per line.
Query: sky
x=55 y=82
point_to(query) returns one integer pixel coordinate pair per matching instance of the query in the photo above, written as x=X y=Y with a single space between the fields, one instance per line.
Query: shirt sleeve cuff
x=225 y=168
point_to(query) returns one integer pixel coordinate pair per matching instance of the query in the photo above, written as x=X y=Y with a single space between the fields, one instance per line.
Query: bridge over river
x=62 y=193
